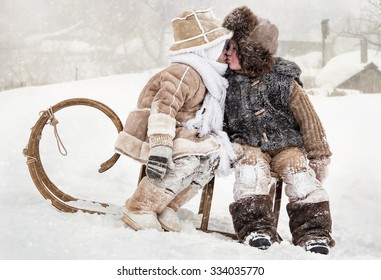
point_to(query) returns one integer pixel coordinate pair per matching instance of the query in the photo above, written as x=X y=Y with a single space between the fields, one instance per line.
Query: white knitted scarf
x=209 y=118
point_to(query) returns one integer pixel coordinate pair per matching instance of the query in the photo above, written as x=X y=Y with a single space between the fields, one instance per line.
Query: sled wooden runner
x=45 y=186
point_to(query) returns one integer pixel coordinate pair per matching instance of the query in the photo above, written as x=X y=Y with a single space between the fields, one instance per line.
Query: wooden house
x=352 y=71
x=367 y=80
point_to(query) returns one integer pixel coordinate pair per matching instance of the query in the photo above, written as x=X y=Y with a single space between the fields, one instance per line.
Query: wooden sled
x=64 y=202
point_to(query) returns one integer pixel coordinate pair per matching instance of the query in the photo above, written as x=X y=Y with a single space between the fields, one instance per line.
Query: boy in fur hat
x=269 y=116
x=177 y=128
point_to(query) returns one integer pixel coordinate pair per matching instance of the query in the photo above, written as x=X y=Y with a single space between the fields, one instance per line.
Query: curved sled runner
x=46 y=187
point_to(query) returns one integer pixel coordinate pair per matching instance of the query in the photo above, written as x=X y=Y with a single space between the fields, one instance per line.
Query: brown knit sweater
x=314 y=137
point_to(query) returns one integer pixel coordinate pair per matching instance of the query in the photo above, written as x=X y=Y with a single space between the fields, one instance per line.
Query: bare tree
x=366 y=27
x=51 y=41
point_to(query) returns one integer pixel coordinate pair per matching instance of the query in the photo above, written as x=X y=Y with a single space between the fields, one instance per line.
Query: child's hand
x=160 y=158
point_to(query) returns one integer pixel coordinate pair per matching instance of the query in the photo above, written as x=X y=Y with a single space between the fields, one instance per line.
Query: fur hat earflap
x=257 y=40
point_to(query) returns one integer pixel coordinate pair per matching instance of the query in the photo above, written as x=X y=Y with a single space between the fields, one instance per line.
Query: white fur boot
x=140 y=211
x=168 y=218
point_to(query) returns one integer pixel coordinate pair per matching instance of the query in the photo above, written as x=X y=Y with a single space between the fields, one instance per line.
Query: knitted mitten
x=320 y=166
x=160 y=157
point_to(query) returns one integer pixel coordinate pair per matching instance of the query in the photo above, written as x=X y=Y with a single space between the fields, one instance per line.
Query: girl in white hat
x=176 y=130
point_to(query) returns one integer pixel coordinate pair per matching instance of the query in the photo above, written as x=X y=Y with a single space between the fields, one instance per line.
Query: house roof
x=342 y=67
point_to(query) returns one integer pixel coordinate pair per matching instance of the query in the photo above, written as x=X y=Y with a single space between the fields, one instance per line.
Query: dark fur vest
x=256 y=108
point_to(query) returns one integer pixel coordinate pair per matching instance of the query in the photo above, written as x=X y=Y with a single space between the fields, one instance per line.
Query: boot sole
x=136 y=227
x=260 y=243
x=168 y=228
x=318 y=248
x=131 y=223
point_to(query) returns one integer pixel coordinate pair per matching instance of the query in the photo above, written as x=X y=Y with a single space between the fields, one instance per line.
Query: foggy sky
x=300 y=19
x=296 y=19
x=48 y=41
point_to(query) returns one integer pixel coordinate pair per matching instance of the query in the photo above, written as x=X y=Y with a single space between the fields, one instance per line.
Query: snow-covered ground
x=31 y=229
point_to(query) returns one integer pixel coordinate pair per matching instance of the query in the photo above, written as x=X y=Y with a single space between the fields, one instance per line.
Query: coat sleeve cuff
x=160 y=140
x=161 y=124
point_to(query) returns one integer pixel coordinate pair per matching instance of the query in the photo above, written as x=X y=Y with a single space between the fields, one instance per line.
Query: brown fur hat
x=257 y=40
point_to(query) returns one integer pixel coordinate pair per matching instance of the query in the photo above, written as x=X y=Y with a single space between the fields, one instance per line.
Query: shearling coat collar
x=169 y=99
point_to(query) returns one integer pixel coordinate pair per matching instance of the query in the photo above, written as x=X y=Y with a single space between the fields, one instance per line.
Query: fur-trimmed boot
x=254 y=221
x=168 y=218
x=141 y=210
x=311 y=226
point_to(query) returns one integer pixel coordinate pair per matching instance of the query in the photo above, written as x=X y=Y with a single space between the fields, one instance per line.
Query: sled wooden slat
x=206 y=204
x=277 y=199
x=205 y=209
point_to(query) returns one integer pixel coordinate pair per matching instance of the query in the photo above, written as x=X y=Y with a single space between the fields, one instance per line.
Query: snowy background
x=44 y=41
x=33 y=229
